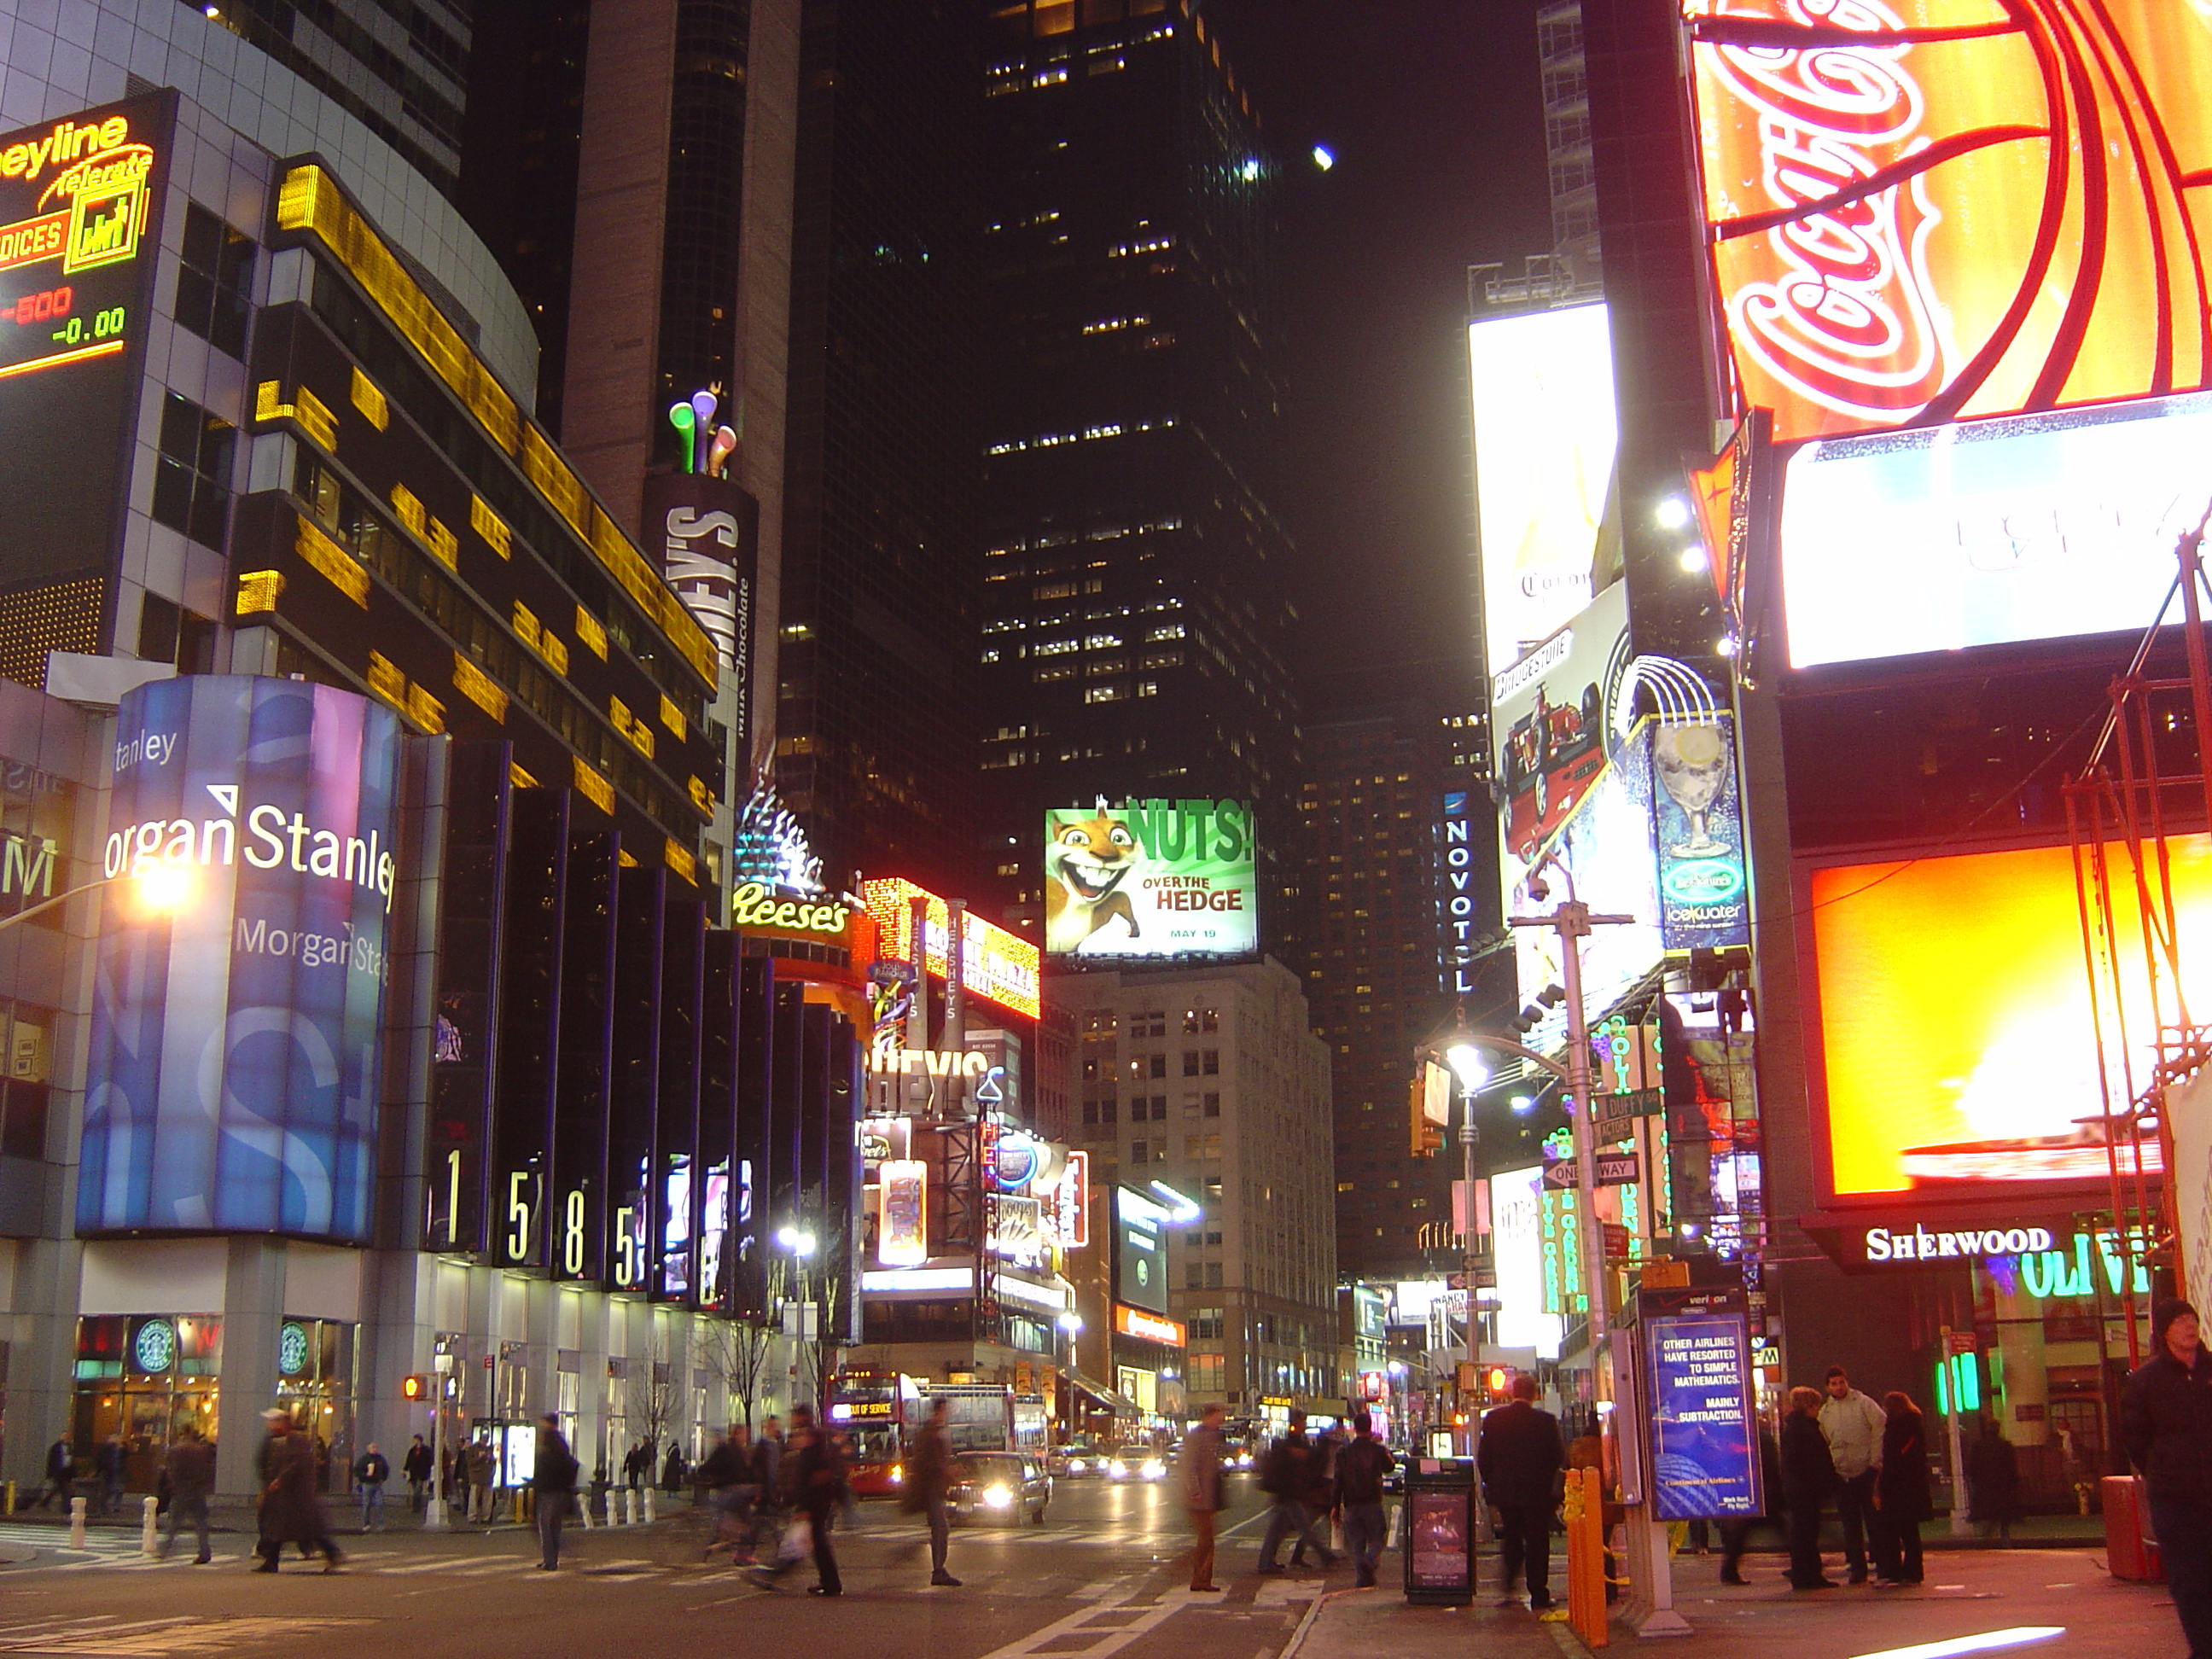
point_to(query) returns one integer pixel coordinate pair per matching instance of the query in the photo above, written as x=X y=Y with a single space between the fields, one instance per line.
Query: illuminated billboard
x=233 y=1079
x=1544 y=438
x=79 y=230
x=1987 y=211
x=1516 y=1224
x=2035 y=527
x=996 y=965
x=1150 y=878
x=1140 y=1250
x=1956 y=1023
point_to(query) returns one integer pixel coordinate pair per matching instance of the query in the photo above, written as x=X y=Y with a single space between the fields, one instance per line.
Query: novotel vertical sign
x=1455 y=888
x=232 y=1082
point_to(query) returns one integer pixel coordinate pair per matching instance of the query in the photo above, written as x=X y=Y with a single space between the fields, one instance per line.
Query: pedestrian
x=291 y=1511
x=1201 y=1493
x=1736 y=1530
x=1901 y=1495
x=813 y=1478
x=415 y=1465
x=553 y=1486
x=726 y=1473
x=481 y=1470
x=1285 y=1477
x=2166 y=1423
x=929 y=1470
x=1853 y=1424
x=672 y=1472
x=1521 y=1458
x=1808 y=1475
x=1317 y=1496
x=1360 y=1468
x=61 y=1474
x=190 y=1467
x=633 y=1461
x=370 y=1471
x=107 y=1465
x=1993 y=1483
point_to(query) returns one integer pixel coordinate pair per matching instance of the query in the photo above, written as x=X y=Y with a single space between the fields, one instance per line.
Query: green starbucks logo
x=292 y=1349
x=156 y=1346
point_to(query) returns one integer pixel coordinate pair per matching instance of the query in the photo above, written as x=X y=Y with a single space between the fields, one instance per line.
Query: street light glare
x=1469 y=1065
x=163 y=887
x=1672 y=512
x=1323 y=157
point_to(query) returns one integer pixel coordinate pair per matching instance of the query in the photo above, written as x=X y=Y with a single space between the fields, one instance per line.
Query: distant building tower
x=1573 y=174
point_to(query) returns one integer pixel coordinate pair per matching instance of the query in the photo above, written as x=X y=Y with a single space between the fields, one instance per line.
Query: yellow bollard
x=9 y=1500
x=1583 y=1510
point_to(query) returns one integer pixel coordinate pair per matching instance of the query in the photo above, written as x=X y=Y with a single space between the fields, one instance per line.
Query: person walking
x=191 y=1468
x=929 y=1468
x=415 y=1465
x=291 y=1509
x=672 y=1472
x=2166 y=1423
x=478 y=1467
x=553 y=1487
x=1736 y=1530
x=370 y=1471
x=1360 y=1468
x=1808 y=1475
x=1520 y=1457
x=1288 y=1477
x=727 y=1472
x=107 y=1465
x=1901 y=1495
x=1993 y=1483
x=813 y=1480
x=1200 y=1471
x=1853 y=1424
x=61 y=1474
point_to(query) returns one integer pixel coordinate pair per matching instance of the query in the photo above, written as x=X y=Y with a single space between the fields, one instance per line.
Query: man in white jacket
x=1853 y=1422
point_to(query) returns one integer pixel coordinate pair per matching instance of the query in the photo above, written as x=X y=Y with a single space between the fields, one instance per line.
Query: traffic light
x=1423 y=1139
x=1499 y=1380
x=415 y=1389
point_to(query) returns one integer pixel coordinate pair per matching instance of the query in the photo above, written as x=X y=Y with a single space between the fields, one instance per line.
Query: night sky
x=1431 y=108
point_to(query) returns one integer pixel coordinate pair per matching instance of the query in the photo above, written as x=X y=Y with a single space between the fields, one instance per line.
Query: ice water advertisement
x=1704 y=1440
x=231 y=1084
x=1150 y=878
x=1704 y=898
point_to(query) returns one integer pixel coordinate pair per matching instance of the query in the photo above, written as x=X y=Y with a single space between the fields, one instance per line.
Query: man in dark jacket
x=812 y=1475
x=1360 y=1468
x=2166 y=1423
x=1808 y=1475
x=415 y=1465
x=370 y=1471
x=928 y=1479
x=191 y=1470
x=1993 y=1482
x=1520 y=1457
x=1202 y=1494
x=291 y=1507
x=553 y=1487
x=61 y=1474
x=1288 y=1478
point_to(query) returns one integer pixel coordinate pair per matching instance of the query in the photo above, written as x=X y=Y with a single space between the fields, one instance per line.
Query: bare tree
x=737 y=1352
x=652 y=1390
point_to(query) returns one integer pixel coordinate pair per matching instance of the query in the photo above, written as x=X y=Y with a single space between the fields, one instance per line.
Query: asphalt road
x=1102 y=1579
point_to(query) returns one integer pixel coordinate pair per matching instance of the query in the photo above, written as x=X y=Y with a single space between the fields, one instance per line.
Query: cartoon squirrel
x=1085 y=865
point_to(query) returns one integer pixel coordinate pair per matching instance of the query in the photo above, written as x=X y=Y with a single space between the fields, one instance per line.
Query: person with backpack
x=553 y=1481
x=1361 y=1467
x=1288 y=1478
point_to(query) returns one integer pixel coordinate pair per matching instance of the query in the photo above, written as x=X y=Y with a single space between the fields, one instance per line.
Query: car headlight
x=1153 y=1468
x=998 y=1497
x=898 y=1474
x=1117 y=1469
x=1075 y=1466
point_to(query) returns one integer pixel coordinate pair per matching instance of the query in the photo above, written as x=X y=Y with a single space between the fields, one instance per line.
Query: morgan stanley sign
x=233 y=1078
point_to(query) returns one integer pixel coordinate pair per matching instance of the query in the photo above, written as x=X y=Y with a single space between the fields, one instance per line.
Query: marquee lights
x=995 y=965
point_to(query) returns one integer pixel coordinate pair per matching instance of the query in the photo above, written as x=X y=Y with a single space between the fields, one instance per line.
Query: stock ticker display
x=79 y=230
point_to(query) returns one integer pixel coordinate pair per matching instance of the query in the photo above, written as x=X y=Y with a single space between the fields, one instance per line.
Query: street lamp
x=162 y=887
x=799 y=1244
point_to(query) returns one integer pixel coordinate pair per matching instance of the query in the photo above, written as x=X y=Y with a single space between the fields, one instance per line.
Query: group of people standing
x=1871 y=1461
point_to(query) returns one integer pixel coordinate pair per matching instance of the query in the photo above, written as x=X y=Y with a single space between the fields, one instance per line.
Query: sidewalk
x=1968 y=1593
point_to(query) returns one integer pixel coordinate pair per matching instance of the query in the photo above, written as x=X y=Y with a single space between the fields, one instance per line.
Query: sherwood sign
x=1922 y=1244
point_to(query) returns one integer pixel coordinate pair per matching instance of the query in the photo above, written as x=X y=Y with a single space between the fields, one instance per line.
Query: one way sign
x=1612 y=1170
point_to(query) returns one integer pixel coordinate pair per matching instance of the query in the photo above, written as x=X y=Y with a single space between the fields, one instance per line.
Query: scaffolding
x=2145 y=787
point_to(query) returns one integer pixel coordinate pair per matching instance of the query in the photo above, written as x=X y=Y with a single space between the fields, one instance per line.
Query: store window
x=143 y=1379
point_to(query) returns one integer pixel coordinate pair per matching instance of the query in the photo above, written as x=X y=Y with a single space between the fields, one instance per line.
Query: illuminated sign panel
x=80 y=227
x=1956 y=1021
x=1141 y=1263
x=1516 y=1225
x=1944 y=222
x=903 y=1236
x=1544 y=438
x=1150 y=878
x=2038 y=527
x=233 y=1079
x=1149 y=1327
x=994 y=965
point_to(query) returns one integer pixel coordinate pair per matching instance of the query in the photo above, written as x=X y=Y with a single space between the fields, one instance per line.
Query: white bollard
x=629 y=1507
x=150 y=1528
x=76 y=1524
x=584 y=1510
x=651 y=1514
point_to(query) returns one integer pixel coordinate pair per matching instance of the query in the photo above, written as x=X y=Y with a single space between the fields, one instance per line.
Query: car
x=1000 y=1488
x=1077 y=1460
x=1136 y=1463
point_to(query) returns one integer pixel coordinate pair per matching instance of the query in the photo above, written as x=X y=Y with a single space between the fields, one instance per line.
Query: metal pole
x=1466 y=1139
x=1961 y=1526
x=433 y=1514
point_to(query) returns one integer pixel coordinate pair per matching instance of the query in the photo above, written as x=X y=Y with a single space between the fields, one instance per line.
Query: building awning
x=1120 y=1404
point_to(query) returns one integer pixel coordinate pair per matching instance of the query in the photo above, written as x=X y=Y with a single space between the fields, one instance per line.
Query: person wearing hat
x=2166 y=1423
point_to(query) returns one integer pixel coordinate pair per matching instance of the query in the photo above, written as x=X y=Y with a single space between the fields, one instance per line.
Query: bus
x=881 y=1410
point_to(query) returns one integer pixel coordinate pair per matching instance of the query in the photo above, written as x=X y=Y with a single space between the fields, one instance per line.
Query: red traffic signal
x=415 y=1388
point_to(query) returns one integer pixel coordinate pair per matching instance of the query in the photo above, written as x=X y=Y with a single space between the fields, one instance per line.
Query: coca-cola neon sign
x=1921 y=210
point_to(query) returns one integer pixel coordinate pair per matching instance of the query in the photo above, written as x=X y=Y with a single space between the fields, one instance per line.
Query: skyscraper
x=1134 y=628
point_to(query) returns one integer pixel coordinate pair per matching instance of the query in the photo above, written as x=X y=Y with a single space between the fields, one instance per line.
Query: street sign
x=1560 y=1174
x=891 y=973
x=1611 y=1169
x=1486 y=1279
x=1616 y=1240
x=1958 y=1342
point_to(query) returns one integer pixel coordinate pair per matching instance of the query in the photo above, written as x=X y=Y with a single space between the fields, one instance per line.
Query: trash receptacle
x=1438 y=1535
x=2129 y=1552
